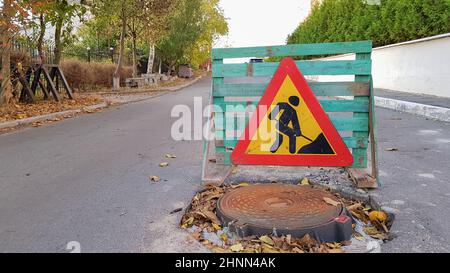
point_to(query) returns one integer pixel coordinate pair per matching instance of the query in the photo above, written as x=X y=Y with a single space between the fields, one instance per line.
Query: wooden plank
x=362 y=180
x=359 y=158
x=293 y=50
x=351 y=142
x=50 y=84
x=373 y=135
x=358 y=106
x=37 y=81
x=217 y=81
x=25 y=88
x=319 y=88
x=361 y=133
x=65 y=84
x=360 y=124
x=348 y=67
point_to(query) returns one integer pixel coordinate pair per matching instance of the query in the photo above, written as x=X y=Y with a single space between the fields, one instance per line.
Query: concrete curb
x=428 y=111
x=166 y=89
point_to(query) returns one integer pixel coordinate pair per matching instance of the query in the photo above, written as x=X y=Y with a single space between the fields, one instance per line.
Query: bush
x=391 y=22
x=84 y=76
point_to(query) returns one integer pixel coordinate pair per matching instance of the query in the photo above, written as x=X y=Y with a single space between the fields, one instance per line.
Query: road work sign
x=290 y=127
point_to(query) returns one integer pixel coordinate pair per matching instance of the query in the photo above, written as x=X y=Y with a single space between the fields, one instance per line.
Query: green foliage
x=192 y=31
x=391 y=22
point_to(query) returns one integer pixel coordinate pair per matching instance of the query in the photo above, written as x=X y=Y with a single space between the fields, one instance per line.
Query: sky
x=261 y=22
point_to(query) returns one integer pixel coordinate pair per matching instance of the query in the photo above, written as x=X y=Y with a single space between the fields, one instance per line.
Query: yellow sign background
x=266 y=133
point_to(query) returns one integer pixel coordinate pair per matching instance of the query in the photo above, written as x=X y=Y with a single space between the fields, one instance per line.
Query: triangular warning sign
x=290 y=127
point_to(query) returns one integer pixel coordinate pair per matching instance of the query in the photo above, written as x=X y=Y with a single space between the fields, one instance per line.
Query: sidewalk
x=437 y=108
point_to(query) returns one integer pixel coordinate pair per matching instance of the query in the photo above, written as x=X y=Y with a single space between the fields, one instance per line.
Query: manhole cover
x=284 y=209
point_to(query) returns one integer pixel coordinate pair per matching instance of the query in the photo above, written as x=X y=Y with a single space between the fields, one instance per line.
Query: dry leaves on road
x=16 y=110
x=163 y=164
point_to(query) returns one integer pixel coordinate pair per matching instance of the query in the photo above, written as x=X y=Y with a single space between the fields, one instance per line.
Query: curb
x=428 y=111
x=166 y=89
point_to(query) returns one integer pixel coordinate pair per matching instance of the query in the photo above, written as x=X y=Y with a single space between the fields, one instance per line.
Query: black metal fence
x=71 y=52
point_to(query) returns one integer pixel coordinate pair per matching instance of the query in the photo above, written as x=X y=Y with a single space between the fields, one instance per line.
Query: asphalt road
x=86 y=179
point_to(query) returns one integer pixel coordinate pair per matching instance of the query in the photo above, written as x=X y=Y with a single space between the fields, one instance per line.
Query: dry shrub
x=84 y=76
x=20 y=57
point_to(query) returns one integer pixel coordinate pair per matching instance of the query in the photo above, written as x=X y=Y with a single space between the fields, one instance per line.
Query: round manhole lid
x=260 y=209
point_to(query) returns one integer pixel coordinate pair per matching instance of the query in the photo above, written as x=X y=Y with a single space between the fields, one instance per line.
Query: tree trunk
x=151 y=58
x=40 y=41
x=58 y=34
x=6 y=87
x=116 y=75
x=133 y=36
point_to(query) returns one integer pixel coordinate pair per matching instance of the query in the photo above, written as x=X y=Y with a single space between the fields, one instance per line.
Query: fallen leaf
x=377 y=216
x=171 y=156
x=240 y=185
x=237 y=247
x=188 y=222
x=224 y=237
x=392 y=150
x=330 y=201
x=268 y=249
x=211 y=216
x=334 y=245
x=163 y=164
x=304 y=182
x=176 y=210
x=266 y=239
x=155 y=178
x=297 y=250
x=216 y=226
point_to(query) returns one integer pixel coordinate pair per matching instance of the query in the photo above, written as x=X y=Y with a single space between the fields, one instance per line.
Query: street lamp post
x=111 y=52
x=89 y=54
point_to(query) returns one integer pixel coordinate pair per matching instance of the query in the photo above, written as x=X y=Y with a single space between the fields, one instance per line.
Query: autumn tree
x=12 y=12
x=193 y=30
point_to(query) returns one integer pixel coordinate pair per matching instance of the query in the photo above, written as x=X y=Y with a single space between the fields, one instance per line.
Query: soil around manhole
x=201 y=221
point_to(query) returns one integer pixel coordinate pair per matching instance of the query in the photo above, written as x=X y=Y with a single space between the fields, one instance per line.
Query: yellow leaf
x=377 y=216
x=334 y=245
x=237 y=247
x=155 y=178
x=240 y=185
x=188 y=222
x=224 y=237
x=304 y=182
x=216 y=226
x=330 y=201
x=266 y=239
x=171 y=156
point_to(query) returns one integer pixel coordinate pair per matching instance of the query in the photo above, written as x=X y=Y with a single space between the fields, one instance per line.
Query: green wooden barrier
x=355 y=124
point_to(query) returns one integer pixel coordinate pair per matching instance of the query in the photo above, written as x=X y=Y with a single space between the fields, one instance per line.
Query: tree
x=12 y=12
x=60 y=15
x=193 y=29
x=392 y=21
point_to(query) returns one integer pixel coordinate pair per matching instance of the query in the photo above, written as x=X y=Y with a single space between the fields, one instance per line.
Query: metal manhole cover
x=285 y=209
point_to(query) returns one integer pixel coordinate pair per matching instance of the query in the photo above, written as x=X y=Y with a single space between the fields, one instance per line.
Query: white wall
x=420 y=66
